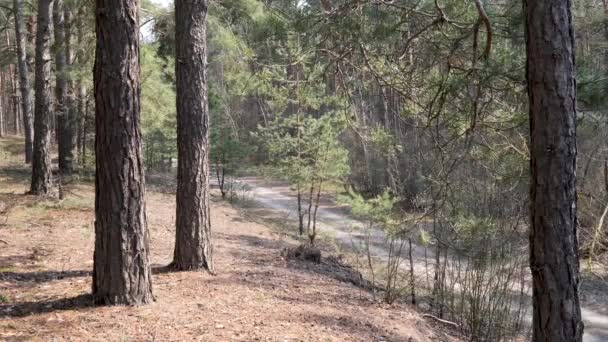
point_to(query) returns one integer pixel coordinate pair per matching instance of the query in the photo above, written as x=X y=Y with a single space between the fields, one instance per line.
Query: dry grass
x=46 y=249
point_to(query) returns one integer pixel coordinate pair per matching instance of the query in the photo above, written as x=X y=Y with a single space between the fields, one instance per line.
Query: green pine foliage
x=158 y=109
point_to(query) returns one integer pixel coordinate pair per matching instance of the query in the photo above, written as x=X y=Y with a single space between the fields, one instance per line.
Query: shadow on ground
x=353 y=326
x=42 y=276
x=15 y=174
x=24 y=309
x=330 y=266
x=13 y=145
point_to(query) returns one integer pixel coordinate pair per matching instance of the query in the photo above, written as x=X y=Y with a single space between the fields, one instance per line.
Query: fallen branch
x=73 y=193
x=455 y=325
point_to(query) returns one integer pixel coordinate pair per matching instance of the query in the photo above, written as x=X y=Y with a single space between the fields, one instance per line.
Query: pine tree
x=24 y=79
x=193 y=247
x=554 y=259
x=121 y=271
x=41 y=164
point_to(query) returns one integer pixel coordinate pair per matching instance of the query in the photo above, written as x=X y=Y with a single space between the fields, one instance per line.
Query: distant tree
x=41 y=165
x=193 y=249
x=227 y=153
x=71 y=106
x=24 y=79
x=307 y=153
x=64 y=127
x=1 y=116
x=121 y=269
x=158 y=110
x=554 y=258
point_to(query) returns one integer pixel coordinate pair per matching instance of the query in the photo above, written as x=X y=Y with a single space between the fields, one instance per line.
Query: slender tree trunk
x=71 y=102
x=31 y=27
x=605 y=24
x=82 y=93
x=299 y=147
x=412 y=276
x=14 y=98
x=41 y=165
x=64 y=130
x=554 y=259
x=193 y=247
x=8 y=90
x=2 y=118
x=16 y=106
x=121 y=268
x=313 y=236
x=85 y=123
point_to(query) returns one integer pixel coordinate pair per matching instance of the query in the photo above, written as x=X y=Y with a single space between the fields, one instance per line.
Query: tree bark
x=85 y=123
x=14 y=95
x=121 y=269
x=31 y=27
x=71 y=103
x=16 y=100
x=193 y=248
x=41 y=164
x=64 y=129
x=554 y=259
x=82 y=93
x=2 y=119
x=80 y=117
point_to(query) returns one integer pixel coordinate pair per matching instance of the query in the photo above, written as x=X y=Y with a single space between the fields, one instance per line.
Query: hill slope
x=46 y=249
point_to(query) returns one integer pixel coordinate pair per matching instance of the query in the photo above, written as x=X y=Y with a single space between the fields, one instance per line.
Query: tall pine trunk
x=14 y=103
x=71 y=103
x=121 y=269
x=64 y=129
x=41 y=164
x=2 y=119
x=554 y=259
x=80 y=117
x=193 y=248
x=82 y=93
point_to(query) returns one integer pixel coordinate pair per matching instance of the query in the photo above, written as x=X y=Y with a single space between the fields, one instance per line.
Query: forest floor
x=46 y=249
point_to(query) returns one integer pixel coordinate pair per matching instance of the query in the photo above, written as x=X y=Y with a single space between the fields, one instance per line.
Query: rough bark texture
x=71 y=104
x=31 y=27
x=193 y=248
x=1 y=109
x=121 y=270
x=14 y=94
x=554 y=259
x=82 y=93
x=64 y=129
x=80 y=117
x=41 y=163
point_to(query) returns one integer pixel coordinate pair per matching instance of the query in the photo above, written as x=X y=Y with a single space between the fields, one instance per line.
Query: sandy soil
x=46 y=249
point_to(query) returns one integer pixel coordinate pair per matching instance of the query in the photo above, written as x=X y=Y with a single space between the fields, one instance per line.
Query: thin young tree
x=554 y=259
x=1 y=111
x=121 y=269
x=64 y=128
x=41 y=163
x=71 y=103
x=2 y=119
x=24 y=79
x=81 y=89
x=193 y=248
